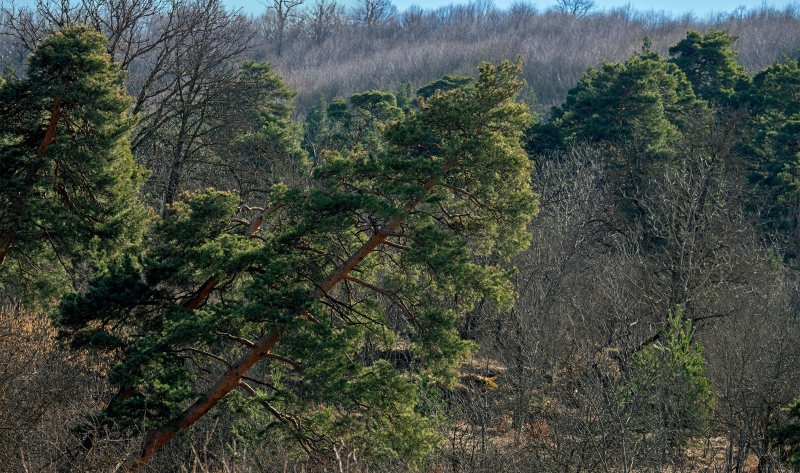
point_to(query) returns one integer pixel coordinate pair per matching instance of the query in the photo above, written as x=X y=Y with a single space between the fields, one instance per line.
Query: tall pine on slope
x=645 y=100
x=773 y=147
x=710 y=65
x=68 y=182
x=298 y=310
x=260 y=142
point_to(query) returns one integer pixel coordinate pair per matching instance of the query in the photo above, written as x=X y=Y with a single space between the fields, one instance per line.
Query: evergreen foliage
x=669 y=377
x=339 y=127
x=315 y=126
x=324 y=284
x=710 y=65
x=263 y=145
x=406 y=100
x=644 y=99
x=774 y=102
x=68 y=183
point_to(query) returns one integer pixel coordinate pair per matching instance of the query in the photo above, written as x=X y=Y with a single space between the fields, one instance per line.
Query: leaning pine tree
x=303 y=308
x=68 y=182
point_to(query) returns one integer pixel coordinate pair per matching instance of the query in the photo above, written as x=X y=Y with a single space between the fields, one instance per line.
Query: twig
x=297 y=365
x=391 y=297
x=241 y=340
x=201 y=352
x=396 y=245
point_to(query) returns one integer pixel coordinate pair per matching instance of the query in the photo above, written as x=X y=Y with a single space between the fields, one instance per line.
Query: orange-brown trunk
x=7 y=240
x=50 y=134
x=232 y=378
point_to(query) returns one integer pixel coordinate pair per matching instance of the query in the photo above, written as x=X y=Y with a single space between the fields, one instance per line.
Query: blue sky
x=676 y=7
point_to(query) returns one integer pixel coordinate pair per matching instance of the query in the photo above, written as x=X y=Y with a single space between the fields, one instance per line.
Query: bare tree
x=45 y=391
x=322 y=19
x=371 y=13
x=575 y=7
x=135 y=28
x=282 y=13
x=190 y=98
x=412 y=19
x=753 y=361
x=595 y=288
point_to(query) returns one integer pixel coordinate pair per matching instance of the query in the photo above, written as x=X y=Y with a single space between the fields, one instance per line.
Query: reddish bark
x=233 y=377
x=202 y=293
x=374 y=241
x=230 y=380
x=50 y=134
x=252 y=229
x=7 y=240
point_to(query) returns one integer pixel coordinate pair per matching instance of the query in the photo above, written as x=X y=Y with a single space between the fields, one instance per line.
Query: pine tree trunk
x=232 y=378
x=157 y=438
x=17 y=208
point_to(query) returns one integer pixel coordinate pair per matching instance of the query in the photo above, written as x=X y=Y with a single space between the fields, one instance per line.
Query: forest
x=348 y=238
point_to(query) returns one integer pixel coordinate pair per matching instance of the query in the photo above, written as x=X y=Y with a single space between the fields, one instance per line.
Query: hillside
x=457 y=240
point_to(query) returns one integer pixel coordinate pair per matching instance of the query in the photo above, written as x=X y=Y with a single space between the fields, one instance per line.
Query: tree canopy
x=710 y=65
x=68 y=182
x=644 y=99
x=313 y=292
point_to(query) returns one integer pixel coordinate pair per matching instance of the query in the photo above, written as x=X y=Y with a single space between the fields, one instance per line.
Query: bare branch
x=241 y=340
x=396 y=245
x=395 y=300
x=205 y=353
x=297 y=365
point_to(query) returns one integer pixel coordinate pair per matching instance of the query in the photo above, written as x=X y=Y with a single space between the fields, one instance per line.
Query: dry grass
x=45 y=390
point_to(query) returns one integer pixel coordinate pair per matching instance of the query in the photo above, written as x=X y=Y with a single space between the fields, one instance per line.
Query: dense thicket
x=342 y=298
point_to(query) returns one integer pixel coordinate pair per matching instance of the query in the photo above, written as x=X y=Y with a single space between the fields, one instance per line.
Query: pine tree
x=406 y=100
x=315 y=129
x=669 y=389
x=340 y=126
x=710 y=65
x=371 y=112
x=259 y=141
x=68 y=183
x=297 y=309
x=773 y=148
x=645 y=100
